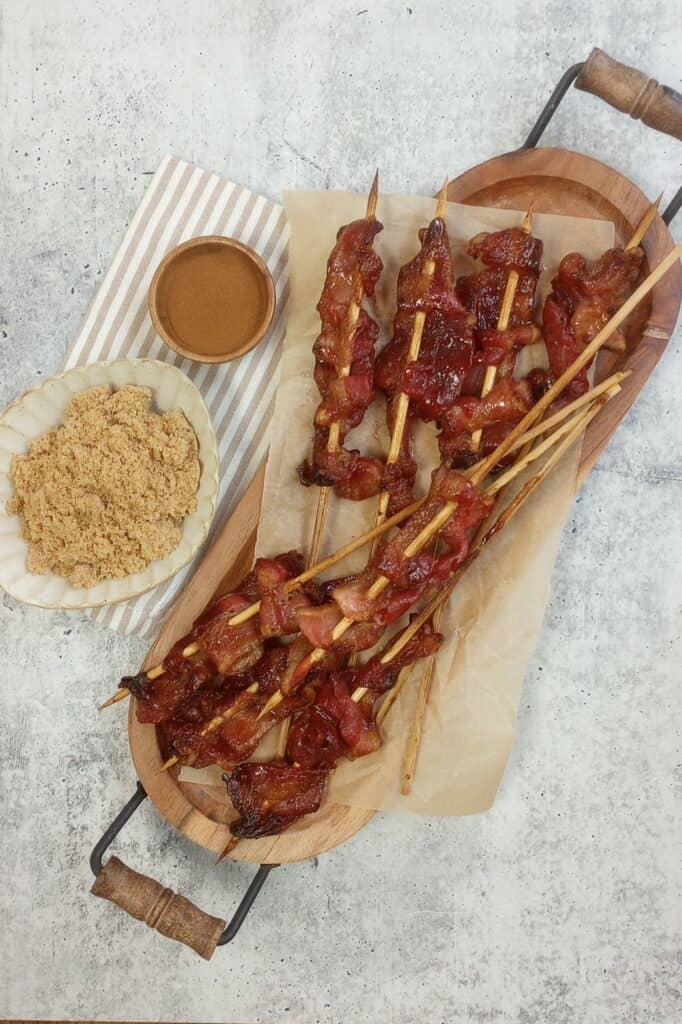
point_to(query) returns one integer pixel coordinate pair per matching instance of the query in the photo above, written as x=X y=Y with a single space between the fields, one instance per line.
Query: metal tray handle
x=163 y=910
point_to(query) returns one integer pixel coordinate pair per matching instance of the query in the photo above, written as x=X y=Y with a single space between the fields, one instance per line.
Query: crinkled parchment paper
x=494 y=617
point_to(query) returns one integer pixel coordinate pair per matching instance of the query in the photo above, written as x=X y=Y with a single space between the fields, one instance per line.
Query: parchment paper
x=494 y=618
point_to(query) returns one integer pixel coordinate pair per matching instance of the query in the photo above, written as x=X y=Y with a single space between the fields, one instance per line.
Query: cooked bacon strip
x=500 y=252
x=512 y=249
x=271 y=797
x=344 y=364
x=334 y=726
x=503 y=406
x=224 y=650
x=337 y=726
x=433 y=380
x=234 y=648
x=237 y=738
x=582 y=300
x=409 y=576
x=157 y=699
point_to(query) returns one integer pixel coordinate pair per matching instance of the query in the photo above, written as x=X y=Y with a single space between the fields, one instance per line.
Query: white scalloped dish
x=43 y=409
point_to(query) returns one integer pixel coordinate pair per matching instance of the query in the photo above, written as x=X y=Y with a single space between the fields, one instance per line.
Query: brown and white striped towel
x=183 y=201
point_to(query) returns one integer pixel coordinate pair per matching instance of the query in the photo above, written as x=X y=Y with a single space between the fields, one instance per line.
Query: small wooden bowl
x=208 y=277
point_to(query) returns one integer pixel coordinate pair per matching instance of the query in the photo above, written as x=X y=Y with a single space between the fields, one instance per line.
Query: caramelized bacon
x=409 y=576
x=434 y=380
x=157 y=699
x=582 y=300
x=271 y=797
x=501 y=252
x=224 y=650
x=336 y=726
x=344 y=364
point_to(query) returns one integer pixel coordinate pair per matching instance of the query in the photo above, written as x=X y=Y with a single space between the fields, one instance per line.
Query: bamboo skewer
x=502 y=324
x=644 y=225
x=334 y=430
x=488 y=383
x=403 y=401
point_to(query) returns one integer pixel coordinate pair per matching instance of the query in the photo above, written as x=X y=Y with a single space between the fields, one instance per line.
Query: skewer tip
x=233 y=841
x=118 y=696
x=442 y=198
x=528 y=219
x=273 y=701
x=373 y=197
x=644 y=224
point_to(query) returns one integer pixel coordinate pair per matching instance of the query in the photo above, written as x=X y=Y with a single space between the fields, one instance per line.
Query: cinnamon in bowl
x=212 y=299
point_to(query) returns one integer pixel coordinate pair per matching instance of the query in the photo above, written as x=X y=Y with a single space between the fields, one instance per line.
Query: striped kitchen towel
x=183 y=201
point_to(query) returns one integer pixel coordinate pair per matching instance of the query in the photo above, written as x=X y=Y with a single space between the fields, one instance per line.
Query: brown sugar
x=105 y=493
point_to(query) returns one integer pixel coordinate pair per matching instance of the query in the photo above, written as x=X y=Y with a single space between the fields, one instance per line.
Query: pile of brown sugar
x=105 y=493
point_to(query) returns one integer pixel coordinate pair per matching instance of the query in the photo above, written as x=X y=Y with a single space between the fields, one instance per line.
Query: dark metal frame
x=548 y=112
x=124 y=816
x=546 y=115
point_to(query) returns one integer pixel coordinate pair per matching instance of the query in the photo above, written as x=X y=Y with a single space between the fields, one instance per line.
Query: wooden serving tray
x=560 y=182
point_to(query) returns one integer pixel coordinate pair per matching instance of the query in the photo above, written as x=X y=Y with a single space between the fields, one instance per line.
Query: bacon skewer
x=582 y=298
x=349 y=331
x=434 y=611
x=512 y=283
x=502 y=323
x=402 y=401
x=488 y=382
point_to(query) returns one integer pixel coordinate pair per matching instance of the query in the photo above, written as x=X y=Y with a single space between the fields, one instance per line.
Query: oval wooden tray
x=560 y=182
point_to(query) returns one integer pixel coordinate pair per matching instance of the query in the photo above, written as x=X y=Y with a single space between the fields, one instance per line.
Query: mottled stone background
x=563 y=903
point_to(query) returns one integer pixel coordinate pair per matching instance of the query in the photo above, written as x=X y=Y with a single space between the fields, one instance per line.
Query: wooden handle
x=161 y=909
x=630 y=90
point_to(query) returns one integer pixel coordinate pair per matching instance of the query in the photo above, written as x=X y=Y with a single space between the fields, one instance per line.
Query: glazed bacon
x=234 y=648
x=582 y=300
x=409 y=576
x=504 y=405
x=236 y=739
x=501 y=252
x=344 y=364
x=224 y=650
x=336 y=726
x=434 y=380
x=157 y=699
x=271 y=797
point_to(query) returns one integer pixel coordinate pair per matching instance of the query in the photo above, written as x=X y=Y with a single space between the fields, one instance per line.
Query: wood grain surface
x=560 y=182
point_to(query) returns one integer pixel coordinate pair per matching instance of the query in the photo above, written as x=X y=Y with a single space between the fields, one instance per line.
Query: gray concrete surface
x=563 y=903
